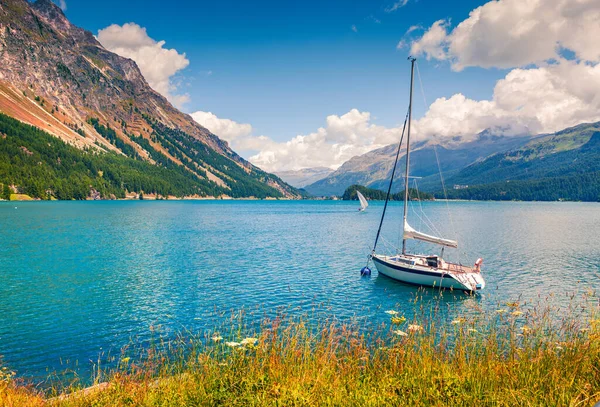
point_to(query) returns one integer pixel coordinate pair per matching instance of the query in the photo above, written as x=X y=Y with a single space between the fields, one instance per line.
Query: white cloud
x=158 y=64
x=535 y=100
x=397 y=5
x=226 y=129
x=342 y=138
x=526 y=101
x=552 y=94
x=515 y=33
x=354 y=28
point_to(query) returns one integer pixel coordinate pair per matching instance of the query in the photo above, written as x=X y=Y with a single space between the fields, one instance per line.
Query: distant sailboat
x=363 y=201
x=419 y=269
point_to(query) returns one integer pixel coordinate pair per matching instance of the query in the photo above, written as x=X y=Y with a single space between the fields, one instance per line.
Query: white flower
x=233 y=344
x=249 y=341
x=415 y=328
x=400 y=333
x=391 y=312
x=217 y=338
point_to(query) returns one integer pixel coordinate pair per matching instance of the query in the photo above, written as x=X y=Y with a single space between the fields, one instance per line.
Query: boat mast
x=412 y=77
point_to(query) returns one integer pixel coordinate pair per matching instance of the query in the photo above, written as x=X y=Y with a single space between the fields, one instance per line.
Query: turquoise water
x=83 y=279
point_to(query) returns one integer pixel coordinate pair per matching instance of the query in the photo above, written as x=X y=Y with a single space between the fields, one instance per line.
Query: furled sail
x=410 y=233
x=363 y=201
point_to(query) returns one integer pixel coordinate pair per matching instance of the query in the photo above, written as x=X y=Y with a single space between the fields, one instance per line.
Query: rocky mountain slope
x=59 y=78
x=373 y=169
x=305 y=176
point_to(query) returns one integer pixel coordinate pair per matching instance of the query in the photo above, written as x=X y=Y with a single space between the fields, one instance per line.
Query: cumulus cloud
x=226 y=129
x=516 y=33
x=342 y=138
x=157 y=63
x=527 y=101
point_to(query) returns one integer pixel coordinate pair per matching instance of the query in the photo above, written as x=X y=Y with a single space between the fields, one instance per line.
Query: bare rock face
x=57 y=76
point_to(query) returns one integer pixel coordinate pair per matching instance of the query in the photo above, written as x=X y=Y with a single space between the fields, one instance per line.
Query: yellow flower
x=526 y=330
x=391 y=312
x=472 y=330
x=125 y=360
x=398 y=320
x=400 y=333
x=500 y=311
x=512 y=304
x=516 y=313
x=458 y=321
x=217 y=338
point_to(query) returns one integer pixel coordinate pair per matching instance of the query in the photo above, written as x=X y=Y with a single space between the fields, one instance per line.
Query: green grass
x=507 y=357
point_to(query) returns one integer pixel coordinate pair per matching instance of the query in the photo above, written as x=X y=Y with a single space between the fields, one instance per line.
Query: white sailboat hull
x=428 y=276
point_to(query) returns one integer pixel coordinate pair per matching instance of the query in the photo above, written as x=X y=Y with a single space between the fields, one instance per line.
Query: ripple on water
x=80 y=279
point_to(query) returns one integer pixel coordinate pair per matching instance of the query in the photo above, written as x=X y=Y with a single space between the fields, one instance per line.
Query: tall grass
x=512 y=356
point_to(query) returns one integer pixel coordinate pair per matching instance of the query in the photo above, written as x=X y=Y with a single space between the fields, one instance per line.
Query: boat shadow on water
x=411 y=292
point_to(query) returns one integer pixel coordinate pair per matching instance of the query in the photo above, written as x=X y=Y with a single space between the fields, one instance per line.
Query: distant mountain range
x=60 y=79
x=304 y=177
x=373 y=169
x=563 y=165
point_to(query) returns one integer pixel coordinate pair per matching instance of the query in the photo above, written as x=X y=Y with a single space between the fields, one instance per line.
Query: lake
x=83 y=279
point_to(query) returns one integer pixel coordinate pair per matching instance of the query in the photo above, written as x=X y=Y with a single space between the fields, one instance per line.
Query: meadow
x=519 y=354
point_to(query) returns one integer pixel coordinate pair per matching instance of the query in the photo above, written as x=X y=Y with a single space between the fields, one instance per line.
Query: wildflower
x=400 y=333
x=415 y=328
x=516 y=313
x=559 y=348
x=233 y=344
x=500 y=311
x=474 y=331
x=249 y=341
x=217 y=338
x=125 y=360
x=391 y=312
x=458 y=321
x=526 y=330
x=398 y=320
x=512 y=304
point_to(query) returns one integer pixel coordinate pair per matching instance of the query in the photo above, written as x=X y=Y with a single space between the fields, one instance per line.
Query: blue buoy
x=365 y=271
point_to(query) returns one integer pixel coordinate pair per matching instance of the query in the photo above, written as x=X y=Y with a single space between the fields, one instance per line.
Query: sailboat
x=363 y=201
x=422 y=269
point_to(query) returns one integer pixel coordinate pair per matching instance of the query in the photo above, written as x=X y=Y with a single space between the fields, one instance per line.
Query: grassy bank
x=507 y=357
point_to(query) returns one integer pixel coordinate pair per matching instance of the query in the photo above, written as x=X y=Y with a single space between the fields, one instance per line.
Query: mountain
x=562 y=165
x=60 y=79
x=373 y=169
x=304 y=177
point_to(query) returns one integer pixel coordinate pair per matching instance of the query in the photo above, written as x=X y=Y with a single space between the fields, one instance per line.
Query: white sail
x=363 y=201
x=410 y=233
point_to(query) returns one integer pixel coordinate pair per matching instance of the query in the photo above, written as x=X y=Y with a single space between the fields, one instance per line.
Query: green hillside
x=42 y=166
x=378 y=195
x=564 y=165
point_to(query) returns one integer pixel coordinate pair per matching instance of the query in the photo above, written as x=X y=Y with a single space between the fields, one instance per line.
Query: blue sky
x=293 y=85
x=285 y=66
